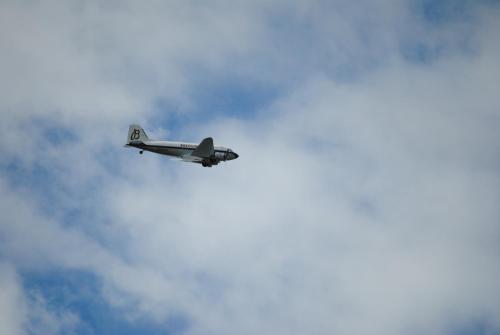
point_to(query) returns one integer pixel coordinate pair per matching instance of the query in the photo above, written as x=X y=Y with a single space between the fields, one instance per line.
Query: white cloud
x=11 y=307
x=366 y=205
x=28 y=313
x=387 y=225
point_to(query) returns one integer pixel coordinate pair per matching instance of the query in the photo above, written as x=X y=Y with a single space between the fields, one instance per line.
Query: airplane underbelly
x=173 y=152
x=176 y=152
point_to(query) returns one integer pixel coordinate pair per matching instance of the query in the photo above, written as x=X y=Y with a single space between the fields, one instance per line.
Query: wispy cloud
x=364 y=200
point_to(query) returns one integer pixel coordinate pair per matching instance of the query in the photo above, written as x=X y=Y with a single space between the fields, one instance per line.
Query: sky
x=364 y=201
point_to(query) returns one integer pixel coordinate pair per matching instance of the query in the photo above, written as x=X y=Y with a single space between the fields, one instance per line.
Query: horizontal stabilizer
x=205 y=148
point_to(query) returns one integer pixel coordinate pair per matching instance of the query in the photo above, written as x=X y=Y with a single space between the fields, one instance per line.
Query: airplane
x=204 y=153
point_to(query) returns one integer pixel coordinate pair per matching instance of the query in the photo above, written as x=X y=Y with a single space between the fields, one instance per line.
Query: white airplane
x=204 y=153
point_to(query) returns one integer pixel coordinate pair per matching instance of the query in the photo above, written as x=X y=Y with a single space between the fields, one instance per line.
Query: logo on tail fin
x=135 y=135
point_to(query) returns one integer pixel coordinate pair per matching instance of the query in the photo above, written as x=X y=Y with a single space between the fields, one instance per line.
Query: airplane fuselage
x=184 y=150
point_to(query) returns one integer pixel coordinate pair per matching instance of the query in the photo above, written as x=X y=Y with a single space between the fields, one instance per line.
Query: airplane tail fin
x=136 y=134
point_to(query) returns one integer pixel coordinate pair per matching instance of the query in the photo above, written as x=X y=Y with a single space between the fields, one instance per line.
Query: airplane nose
x=230 y=155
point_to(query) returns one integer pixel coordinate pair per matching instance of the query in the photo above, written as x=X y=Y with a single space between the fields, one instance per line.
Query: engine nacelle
x=220 y=156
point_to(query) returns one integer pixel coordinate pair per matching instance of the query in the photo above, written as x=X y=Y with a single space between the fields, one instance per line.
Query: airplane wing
x=205 y=149
x=193 y=159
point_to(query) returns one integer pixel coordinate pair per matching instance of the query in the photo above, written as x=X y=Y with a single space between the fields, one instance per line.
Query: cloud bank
x=364 y=199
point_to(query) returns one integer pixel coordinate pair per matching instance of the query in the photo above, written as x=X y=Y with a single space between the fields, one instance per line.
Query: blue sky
x=364 y=199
